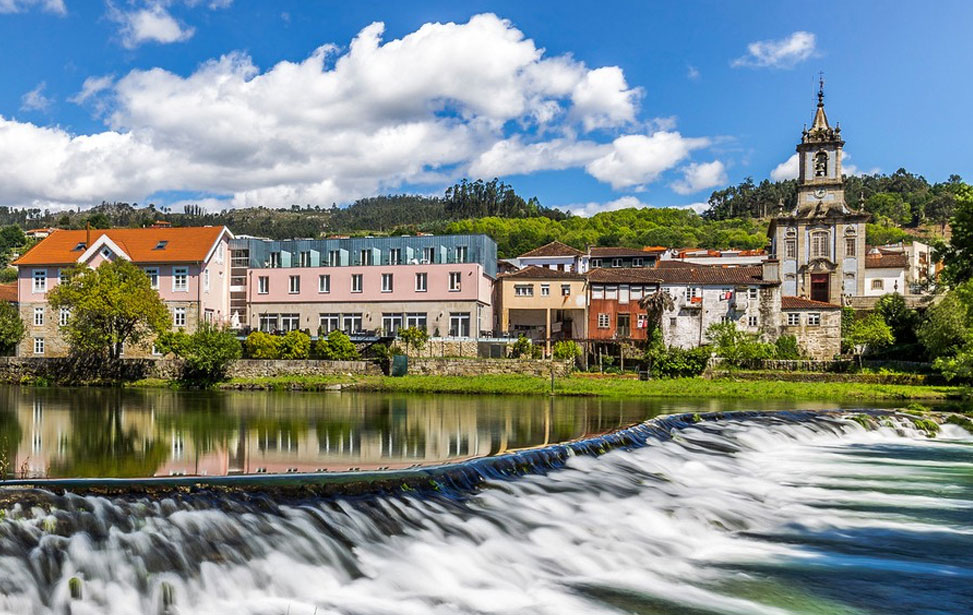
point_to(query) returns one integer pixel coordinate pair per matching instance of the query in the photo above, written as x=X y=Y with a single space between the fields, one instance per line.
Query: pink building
x=190 y=267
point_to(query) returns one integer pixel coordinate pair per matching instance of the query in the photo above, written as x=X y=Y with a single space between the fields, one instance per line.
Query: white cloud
x=592 y=208
x=789 y=169
x=692 y=73
x=16 y=6
x=35 y=100
x=700 y=176
x=636 y=160
x=781 y=53
x=698 y=207
x=341 y=125
x=153 y=24
x=92 y=86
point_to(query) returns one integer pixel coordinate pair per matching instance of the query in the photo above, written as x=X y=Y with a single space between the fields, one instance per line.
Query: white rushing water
x=768 y=516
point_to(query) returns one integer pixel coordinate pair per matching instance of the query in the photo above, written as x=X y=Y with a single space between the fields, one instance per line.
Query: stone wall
x=477 y=367
x=470 y=349
x=259 y=368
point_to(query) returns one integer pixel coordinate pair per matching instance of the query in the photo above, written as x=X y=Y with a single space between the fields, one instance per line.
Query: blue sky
x=587 y=106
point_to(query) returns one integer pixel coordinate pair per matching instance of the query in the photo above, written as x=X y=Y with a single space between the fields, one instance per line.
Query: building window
x=595 y=263
x=692 y=292
x=459 y=324
x=324 y=283
x=294 y=284
x=820 y=164
x=878 y=284
x=180 y=279
x=597 y=291
x=40 y=280
x=395 y=256
x=153 y=273
x=206 y=281
x=428 y=255
x=611 y=292
x=63 y=316
x=462 y=253
x=106 y=253
x=155 y=351
x=565 y=290
x=793 y=319
x=305 y=259
x=455 y=280
x=328 y=323
x=790 y=248
x=268 y=323
x=391 y=323
x=819 y=244
x=275 y=259
x=545 y=290
x=334 y=258
x=752 y=321
x=616 y=262
x=642 y=321
x=422 y=280
x=290 y=322
x=416 y=319
x=208 y=316
x=351 y=323
x=38 y=345
x=366 y=257
x=179 y=317
x=603 y=320
x=672 y=321
x=814 y=319
x=386 y=282
x=63 y=276
x=850 y=246
x=356 y=283
x=523 y=290
x=38 y=317
x=752 y=293
x=263 y=285
x=637 y=262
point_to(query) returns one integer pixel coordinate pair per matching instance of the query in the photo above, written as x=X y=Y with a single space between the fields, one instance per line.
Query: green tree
x=958 y=255
x=869 y=332
x=336 y=347
x=949 y=323
x=11 y=327
x=414 y=338
x=566 y=350
x=736 y=346
x=260 y=345
x=110 y=306
x=902 y=319
x=523 y=348
x=207 y=354
x=295 y=345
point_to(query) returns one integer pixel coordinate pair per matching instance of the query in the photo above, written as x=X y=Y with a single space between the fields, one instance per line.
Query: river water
x=751 y=515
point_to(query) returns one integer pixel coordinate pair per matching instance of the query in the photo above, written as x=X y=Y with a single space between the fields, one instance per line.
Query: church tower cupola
x=820 y=185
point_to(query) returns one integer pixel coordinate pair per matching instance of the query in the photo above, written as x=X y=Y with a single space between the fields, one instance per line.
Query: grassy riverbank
x=603 y=387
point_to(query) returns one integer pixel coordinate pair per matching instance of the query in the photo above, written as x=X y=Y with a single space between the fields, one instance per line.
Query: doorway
x=820 y=287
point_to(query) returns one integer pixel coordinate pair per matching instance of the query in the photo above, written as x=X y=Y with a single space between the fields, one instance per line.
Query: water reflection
x=136 y=433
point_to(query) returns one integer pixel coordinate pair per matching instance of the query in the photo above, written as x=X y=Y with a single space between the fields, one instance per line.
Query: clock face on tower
x=819 y=193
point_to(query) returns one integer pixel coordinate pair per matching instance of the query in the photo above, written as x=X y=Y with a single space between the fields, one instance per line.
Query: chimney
x=87 y=235
x=770 y=270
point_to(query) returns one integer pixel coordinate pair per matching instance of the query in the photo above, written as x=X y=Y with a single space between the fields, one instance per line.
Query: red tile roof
x=702 y=275
x=8 y=292
x=184 y=245
x=882 y=261
x=609 y=252
x=542 y=273
x=555 y=248
x=800 y=303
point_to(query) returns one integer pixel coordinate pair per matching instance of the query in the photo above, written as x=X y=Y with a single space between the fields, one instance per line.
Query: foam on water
x=768 y=515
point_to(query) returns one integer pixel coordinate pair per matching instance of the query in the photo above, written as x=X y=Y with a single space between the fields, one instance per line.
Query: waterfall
x=752 y=513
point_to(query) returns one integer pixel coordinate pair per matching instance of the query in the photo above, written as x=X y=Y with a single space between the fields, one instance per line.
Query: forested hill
x=901 y=199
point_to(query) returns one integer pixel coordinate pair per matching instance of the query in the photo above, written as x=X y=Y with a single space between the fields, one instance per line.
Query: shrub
x=207 y=354
x=11 y=328
x=295 y=345
x=336 y=347
x=787 y=348
x=523 y=348
x=675 y=362
x=736 y=346
x=414 y=338
x=260 y=345
x=566 y=350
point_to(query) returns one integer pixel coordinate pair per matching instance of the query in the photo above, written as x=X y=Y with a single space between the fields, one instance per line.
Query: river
x=796 y=513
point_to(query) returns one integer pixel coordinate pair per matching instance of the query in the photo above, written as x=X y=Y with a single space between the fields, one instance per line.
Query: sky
x=587 y=106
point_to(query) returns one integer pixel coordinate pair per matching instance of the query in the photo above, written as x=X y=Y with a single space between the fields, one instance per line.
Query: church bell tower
x=820 y=188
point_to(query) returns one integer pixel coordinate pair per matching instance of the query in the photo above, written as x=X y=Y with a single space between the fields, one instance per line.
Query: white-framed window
x=595 y=263
x=153 y=273
x=38 y=345
x=603 y=320
x=637 y=262
x=813 y=319
x=819 y=244
x=611 y=293
x=275 y=260
x=63 y=316
x=155 y=351
x=616 y=262
x=429 y=255
x=106 y=253
x=422 y=281
x=209 y=315
x=290 y=322
x=324 y=283
x=391 y=323
x=395 y=256
x=328 y=323
x=180 y=279
x=263 y=285
x=753 y=293
x=365 y=256
x=351 y=323
x=726 y=318
x=356 y=282
x=751 y=321
x=206 y=281
x=455 y=281
x=878 y=284
x=459 y=324
x=790 y=248
x=268 y=323
x=545 y=290
x=692 y=292
x=334 y=258
x=416 y=319
x=305 y=259
x=40 y=281
x=294 y=284
x=387 y=285
x=38 y=317
x=793 y=319
x=565 y=290
x=62 y=276
x=597 y=291
x=179 y=317
x=462 y=253
x=523 y=290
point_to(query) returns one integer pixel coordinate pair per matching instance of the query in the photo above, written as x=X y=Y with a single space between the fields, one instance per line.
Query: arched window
x=821 y=164
x=819 y=244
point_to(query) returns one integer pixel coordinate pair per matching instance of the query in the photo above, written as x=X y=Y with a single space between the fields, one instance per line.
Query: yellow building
x=542 y=304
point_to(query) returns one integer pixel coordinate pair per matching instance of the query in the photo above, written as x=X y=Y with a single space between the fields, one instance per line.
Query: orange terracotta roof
x=183 y=245
x=800 y=303
x=555 y=248
x=883 y=261
x=8 y=292
x=690 y=274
